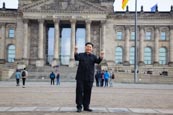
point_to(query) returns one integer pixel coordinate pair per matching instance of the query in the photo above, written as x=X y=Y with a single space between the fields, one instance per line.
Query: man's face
x=88 y=48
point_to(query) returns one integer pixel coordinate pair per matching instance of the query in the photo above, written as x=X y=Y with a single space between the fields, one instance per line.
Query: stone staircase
x=123 y=74
x=7 y=70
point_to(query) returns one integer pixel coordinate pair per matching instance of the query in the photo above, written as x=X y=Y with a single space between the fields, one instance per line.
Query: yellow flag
x=124 y=3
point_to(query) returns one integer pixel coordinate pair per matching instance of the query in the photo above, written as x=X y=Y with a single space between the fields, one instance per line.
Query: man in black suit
x=85 y=76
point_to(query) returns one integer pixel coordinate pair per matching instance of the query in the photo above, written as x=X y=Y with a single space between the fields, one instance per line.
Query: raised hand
x=75 y=49
x=102 y=54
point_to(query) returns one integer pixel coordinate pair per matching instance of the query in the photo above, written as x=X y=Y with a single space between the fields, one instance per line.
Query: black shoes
x=79 y=110
x=87 y=109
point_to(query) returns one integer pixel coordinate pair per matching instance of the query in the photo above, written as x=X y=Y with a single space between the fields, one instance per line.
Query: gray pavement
x=40 y=98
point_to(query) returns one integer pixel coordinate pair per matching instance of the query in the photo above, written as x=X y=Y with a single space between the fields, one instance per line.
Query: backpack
x=23 y=73
x=52 y=76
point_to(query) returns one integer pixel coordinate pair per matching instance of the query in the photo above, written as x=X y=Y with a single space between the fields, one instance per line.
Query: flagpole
x=136 y=59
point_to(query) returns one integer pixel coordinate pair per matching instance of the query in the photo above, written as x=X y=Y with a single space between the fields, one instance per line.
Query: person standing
x=18 y=76
x=24 y=76
x=97 y=78
x=52 y=78
x=111 y=79
x=85 y=76
x=106 y=78
x=102 y=78
x=58 y=78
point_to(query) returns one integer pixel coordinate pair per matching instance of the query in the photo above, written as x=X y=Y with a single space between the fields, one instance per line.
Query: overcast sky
x=163 y=5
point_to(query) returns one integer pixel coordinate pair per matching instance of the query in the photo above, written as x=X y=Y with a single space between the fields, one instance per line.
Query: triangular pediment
x=65 y=6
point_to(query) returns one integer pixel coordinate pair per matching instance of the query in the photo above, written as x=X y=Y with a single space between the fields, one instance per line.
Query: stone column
x=20 y=31
x=88 y=30
x=73 y=35
x=141 y=46
x=156 y=46
x=25 y=45
x=171 y=47
x=40 y=61
x=56 y=42
x=102 y=44
x=126 y=45
x=2 y=44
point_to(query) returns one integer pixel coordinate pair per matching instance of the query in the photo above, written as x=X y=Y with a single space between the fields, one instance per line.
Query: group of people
x=103 y=78
x=21 y=74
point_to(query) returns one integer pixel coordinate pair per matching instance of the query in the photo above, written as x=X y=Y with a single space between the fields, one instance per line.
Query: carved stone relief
x=68 y=6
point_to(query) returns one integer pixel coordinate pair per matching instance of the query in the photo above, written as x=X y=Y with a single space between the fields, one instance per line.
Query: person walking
x=18 y=76
x=24 y=76
x=85 y=76
x=52 y=78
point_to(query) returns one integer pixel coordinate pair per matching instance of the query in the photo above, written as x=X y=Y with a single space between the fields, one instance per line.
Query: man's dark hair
x=89 y=43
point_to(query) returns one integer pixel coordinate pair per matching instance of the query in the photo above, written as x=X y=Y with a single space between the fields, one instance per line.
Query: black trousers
x=52 y=81
x=23 y=81
x=83 y=93
x=17 y=81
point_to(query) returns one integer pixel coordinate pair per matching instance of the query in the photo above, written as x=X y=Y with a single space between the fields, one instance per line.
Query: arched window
x=147 y=55
x=118 y=55
x=162 y=55
x=132 y=55
x=11 y=53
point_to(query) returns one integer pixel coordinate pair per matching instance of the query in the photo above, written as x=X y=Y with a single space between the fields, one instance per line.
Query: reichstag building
x=45 y=32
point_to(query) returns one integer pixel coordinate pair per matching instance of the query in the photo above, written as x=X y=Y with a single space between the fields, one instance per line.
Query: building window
x=163 y=36
x=147 y=55
x=119 y=35
x=132 y=36
x=162 y=55
x=119 y=55
x=132 y=55
x=148 y=36
x=11 y=33
x=11 y=53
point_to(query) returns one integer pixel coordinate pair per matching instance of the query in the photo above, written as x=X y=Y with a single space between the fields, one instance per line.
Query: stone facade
x=30 y=24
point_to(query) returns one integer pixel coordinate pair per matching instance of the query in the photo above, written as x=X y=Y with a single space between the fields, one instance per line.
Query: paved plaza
x=40 y=98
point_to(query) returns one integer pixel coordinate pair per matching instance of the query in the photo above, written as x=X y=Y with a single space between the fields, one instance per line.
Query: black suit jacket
x=86 y=66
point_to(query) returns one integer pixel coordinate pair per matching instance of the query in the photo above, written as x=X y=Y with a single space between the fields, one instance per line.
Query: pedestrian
x=58 y=78
x=52 y=78
x=102 y=78
x=106 y=78
x=24 y=76
x=85 y=76
x=97 y=78
x=18 y=76
x=112 y=76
